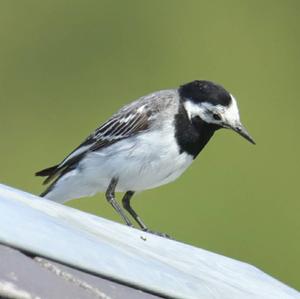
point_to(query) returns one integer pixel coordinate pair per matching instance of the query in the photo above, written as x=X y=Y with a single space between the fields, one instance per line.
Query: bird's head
x=213 y=105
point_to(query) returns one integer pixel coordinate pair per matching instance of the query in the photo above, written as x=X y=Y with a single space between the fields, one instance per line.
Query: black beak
x=240 y=129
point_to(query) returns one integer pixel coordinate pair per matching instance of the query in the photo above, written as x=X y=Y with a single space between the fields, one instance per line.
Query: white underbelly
x=142 y=163
x=139 y=163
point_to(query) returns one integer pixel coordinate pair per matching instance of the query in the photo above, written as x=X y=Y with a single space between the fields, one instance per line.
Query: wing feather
x=120 y=126
x=132 y=119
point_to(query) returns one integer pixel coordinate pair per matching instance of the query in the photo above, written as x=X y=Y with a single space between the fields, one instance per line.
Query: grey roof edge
x=51 y=280
x=134 y=258
x=41 y=259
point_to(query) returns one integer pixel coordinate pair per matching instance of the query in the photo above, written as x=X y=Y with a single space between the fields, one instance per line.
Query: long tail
x=49 y=172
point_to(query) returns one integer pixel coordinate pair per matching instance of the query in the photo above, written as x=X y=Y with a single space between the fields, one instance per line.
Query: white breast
x=143 y=162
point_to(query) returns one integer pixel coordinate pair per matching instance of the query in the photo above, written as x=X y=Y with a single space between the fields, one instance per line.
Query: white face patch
x=231 y=115
x=215 y=114
x=193 y=109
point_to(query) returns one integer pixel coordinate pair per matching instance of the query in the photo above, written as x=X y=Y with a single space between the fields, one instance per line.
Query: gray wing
x=129 y=121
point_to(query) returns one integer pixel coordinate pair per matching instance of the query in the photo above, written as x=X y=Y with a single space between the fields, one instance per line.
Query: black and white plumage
x=146 y=144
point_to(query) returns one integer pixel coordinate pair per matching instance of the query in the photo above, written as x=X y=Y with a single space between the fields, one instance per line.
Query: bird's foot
x=163 y=235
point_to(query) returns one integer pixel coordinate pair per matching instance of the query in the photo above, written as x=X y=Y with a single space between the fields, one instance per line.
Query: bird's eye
x=216 y=116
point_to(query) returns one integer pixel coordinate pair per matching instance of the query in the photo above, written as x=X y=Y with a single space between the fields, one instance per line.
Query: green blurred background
x=66 y=66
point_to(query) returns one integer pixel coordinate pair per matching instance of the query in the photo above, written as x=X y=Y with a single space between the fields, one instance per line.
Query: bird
x=148 y=143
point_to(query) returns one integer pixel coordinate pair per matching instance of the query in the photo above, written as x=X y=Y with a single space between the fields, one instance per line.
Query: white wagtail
x=148 y=143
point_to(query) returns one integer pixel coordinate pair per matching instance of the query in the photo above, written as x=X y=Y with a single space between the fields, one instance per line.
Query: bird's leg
x=131 y=211
x=110 y=196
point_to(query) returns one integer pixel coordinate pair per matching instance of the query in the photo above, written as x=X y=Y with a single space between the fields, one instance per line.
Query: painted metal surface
x=165 y=267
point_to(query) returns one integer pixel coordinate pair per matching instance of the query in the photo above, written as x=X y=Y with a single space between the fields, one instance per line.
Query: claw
x=163 y=235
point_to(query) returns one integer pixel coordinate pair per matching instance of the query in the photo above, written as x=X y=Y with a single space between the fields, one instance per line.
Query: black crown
x=205 y=91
